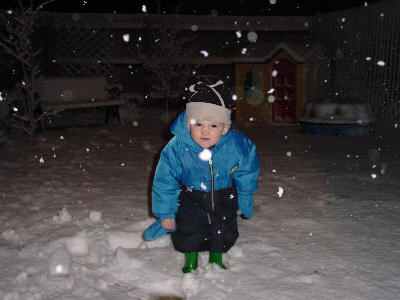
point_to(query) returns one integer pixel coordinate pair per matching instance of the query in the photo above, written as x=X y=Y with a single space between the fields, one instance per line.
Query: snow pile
x=337 y=113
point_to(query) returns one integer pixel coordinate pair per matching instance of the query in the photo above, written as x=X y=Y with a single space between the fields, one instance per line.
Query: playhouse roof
x=264 y=52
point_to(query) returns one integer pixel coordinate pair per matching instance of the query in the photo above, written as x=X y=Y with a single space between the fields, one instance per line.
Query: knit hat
x=209 y=103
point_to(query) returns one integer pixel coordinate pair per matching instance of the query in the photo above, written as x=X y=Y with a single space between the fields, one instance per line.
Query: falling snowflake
x=280 y=192
x=373 y=175
x=192 y=121
x=87 y=150
x=203 y=186
x=270 y=91
x=123 y=164
x=231 y=196
x=126 y=37
x=1 y=98
x=234 y=97
x=274 y=73
x=15 y=109
x=144 y=8
x=61 y=137
x=205 y=155
x=238 y=34
x=252 y=36
x=289 y=153
x=271 y=98
x=272 y=2
x=59 y=269
x=244 y=50
x=204 y=52
x=381 y=63
x=41 y=160
x=194 y=28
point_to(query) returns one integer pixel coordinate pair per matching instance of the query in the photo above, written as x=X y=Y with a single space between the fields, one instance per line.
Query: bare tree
x=168 y=54
x=17 y=40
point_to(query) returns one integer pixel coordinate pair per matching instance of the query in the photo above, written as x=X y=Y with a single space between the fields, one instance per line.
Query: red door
x=284 y=85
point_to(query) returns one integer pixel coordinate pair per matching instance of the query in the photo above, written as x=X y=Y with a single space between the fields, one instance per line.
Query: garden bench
x=61 y=93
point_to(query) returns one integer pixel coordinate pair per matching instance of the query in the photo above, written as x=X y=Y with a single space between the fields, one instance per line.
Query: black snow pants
x=202 y=226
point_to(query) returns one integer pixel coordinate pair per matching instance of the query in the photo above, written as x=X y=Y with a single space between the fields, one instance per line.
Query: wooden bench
x=61 y=93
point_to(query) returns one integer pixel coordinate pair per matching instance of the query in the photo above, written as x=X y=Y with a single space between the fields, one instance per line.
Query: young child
x=206 y=174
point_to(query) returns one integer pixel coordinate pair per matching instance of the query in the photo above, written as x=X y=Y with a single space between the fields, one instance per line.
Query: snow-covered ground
x=73 y=207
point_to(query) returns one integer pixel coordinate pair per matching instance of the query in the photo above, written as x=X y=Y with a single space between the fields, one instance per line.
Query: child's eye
x=214 y=125
x=198 y=124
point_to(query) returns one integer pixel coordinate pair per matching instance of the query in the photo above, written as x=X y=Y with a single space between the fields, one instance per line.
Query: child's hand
x=168 y=224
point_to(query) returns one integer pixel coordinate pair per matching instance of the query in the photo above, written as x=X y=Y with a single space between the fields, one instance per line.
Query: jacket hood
x=181 y=131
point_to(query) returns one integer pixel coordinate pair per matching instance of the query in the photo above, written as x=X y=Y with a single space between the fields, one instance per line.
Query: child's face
x=207 y=133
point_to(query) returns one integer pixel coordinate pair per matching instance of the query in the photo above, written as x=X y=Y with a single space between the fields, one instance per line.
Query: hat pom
x=219 y=82
x=196 y=87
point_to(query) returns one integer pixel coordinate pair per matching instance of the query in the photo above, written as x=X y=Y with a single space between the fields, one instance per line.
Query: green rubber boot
x=191 y=262
x=216 y=258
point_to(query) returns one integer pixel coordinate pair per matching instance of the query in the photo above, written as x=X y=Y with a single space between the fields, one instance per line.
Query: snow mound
x=337 y=113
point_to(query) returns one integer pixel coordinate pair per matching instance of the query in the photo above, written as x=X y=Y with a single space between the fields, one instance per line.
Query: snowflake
x=203 y=186
x=205 y=155
x=126 y=37
x=381 y=63
x=280 y=192
x=204 y=52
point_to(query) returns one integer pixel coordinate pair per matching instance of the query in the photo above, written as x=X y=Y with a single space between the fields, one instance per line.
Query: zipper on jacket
x=212 y=184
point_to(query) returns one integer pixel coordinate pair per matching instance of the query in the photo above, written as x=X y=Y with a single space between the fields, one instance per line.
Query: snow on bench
x=60 y=93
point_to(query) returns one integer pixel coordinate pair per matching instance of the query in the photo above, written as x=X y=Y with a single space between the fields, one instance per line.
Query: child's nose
x=205 y=129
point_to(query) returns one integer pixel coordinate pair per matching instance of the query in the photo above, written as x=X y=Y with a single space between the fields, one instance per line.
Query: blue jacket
x=234 y=158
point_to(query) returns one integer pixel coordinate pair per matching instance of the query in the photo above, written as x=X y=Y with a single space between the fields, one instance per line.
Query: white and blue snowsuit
x=203 y=196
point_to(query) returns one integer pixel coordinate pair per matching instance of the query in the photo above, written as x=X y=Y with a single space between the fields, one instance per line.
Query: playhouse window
x=289 y=81
x=289 y=95
x=252 y=87
x=279 y=80
x=279 y=93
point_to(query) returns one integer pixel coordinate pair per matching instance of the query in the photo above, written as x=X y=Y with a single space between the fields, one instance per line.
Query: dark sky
x=225 y=7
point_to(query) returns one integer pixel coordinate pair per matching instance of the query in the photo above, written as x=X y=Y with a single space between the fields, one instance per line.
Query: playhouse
x=273 y=81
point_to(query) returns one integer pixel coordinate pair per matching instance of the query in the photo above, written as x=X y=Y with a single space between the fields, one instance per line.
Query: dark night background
x=227 y=7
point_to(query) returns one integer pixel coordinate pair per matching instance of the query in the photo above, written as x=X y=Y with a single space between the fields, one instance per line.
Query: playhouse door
x=284 y=84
